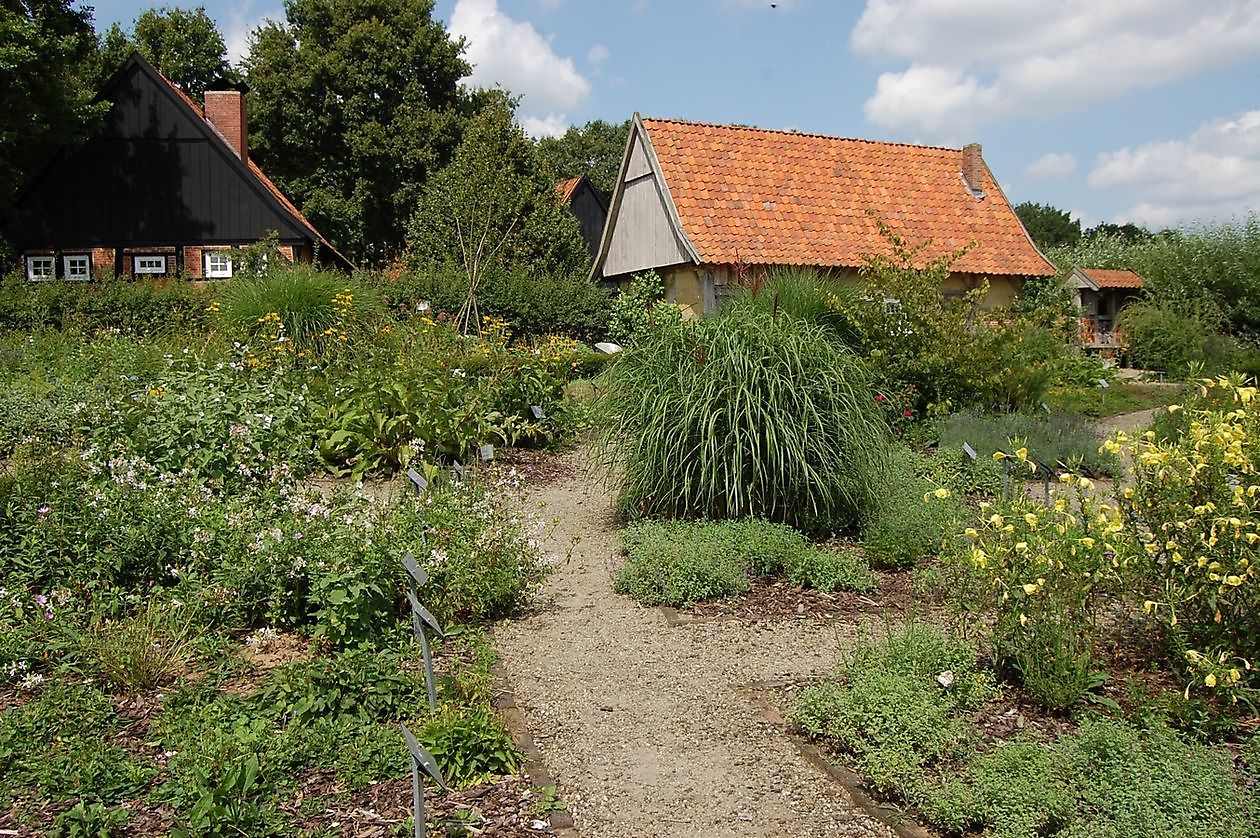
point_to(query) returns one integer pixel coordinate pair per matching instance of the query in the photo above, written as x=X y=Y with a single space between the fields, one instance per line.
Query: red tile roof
x=565 y=188
x=1104 y=278
x=782 y=198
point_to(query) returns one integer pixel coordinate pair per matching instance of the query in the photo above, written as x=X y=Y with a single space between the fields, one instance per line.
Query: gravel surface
x=646 y=725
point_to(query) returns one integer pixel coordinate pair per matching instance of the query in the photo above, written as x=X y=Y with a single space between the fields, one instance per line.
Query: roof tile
x=807 y=197
x=1104 y=278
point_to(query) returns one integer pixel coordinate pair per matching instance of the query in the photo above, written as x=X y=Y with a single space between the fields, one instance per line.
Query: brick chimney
x=973 y=169
x=226 y=111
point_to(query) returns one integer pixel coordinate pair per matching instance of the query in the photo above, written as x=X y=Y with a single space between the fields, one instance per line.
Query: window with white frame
x=78 y=267
x=151 y=265
x=218 y=264
x=41 y=268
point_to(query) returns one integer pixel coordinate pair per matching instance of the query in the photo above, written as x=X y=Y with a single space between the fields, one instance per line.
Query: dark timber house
x=166 y=187
x=588 y=206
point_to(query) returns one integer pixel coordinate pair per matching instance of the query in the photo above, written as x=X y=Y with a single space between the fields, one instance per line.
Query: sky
x=1144 y=111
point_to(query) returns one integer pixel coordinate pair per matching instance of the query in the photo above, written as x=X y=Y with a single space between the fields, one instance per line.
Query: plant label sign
x=485 y=453
x=1102 y=382
x=969 y=451
x=537 y=410
x=424 y=759
x=414 y=570
x=1046 y=408
x=417 y=480
x=423 y=614
x=460 y=472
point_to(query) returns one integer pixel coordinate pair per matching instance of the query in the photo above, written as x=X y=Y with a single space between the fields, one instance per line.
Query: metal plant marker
x=417 y=480
x=969 y=451
x=1046 y=408
x=537 y=410
x=421 y=760
x=420 y=617
x=460 y=472
x=485 y=453
x=1102 y=382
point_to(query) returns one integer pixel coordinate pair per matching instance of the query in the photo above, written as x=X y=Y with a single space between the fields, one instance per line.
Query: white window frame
x=210 y=272
x=156 y=264
x=72 y=263
x=45 y=262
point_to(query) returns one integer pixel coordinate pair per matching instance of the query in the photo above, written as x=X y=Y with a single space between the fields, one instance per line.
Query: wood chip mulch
x=777 y=599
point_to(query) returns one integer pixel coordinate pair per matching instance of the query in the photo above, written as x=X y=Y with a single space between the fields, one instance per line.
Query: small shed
x=588 y=206
x=1100 y=295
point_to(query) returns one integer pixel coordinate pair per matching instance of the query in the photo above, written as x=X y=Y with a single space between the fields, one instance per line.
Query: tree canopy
x=593 y=150
x=495 y=206
x=47 y=51
x=185 y=46
x=354 y=104
x=1048 y=226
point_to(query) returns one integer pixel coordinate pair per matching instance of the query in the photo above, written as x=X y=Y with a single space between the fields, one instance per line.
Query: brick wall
x=102 y=262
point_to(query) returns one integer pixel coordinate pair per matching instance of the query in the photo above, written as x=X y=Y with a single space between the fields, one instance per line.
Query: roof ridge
x=792 y=133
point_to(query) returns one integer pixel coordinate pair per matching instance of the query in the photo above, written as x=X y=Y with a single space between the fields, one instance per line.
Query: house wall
x=111 y=262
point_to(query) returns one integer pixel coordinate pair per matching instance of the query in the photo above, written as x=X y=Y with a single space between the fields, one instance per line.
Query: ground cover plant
x=909 y=709
x=1060 y=440
x=680 y=563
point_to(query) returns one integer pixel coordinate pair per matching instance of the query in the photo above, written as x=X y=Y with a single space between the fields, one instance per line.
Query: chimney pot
x=973 y=168
x=226 y=111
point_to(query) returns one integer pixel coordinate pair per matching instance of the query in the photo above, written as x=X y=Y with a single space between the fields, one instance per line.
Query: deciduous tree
x=593 y=150
x=185 y=46
x=354 y=104
x=1048 y=226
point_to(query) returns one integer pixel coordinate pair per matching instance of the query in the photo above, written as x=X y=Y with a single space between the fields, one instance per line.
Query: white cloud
x=551 y=125
x=1213 y=173
x=241 y=23
x=1051 y=166
x=598 y=54
x=973 y=61
x=1083 y=218
x=512 y=53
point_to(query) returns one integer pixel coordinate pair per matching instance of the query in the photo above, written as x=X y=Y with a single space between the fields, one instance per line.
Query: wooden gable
x=157 y=174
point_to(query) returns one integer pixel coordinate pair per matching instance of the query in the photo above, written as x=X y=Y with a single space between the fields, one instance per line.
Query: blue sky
x=1117 y=110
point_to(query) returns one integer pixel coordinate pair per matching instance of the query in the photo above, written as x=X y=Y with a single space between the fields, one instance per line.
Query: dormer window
x=78 y=267
x=218 y=264
x=41 y=268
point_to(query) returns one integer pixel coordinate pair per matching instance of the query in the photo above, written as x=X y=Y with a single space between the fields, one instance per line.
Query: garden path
x=646 y=723
x=1127 y=422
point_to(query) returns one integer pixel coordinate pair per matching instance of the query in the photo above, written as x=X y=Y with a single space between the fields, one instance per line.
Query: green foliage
x=900 y=528
x=534 y=305
x=1212 y=266
x=138 y=307
x=1087 y=398
x=185 y=46
x=740 y=415
x=681 y=563
x=1058 y=439
x=1048 y=226
x=359 y=685
x=353 y=107
x=640 y=308
x=594 y=150
x=300 y=308
x=471 y=745
x=85 y=820
x=1175 y=337
x=60 y=745
x=494 y=205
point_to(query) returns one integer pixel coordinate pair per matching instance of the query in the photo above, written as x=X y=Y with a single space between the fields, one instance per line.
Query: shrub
x=900 y=527
x=641 y=308
x=140 y=307
x=298 y=307
x=742 y=415
x=1175 y=338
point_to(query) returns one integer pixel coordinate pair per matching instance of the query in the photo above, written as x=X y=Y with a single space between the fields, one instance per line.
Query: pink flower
x=43 y=512
x=907 y=412
x=880 y=397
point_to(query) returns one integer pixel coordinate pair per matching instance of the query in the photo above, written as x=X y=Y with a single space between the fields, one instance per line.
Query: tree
x=494 y=206
x=46 y=100
x=185 y=46
x=354 y=104
x=1049 y=227
x=593 y=150
x=1130 y=232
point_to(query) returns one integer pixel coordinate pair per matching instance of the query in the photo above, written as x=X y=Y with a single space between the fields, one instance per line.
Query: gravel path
x=647 y=726
x=1139 y=420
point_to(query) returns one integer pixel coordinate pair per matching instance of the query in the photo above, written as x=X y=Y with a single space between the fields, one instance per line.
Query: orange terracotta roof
x=781 y=198
x=1104 y=278
x=565 y=188
x=256 y=171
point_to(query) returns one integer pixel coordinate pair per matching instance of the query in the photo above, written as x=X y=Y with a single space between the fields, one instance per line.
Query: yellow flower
x=1210 y=680
x=942 y=493
x=998 y=455
x=1031 y=588
x=1173 y=408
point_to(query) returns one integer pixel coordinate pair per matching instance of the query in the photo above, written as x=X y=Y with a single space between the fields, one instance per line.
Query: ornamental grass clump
x=743 y=414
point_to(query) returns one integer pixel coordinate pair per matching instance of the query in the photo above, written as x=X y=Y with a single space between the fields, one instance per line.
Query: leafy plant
x=640 y=308
x=89 y=820
x=901 y=527
x=470 y=745
x=144 y=651
x=740 y=415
